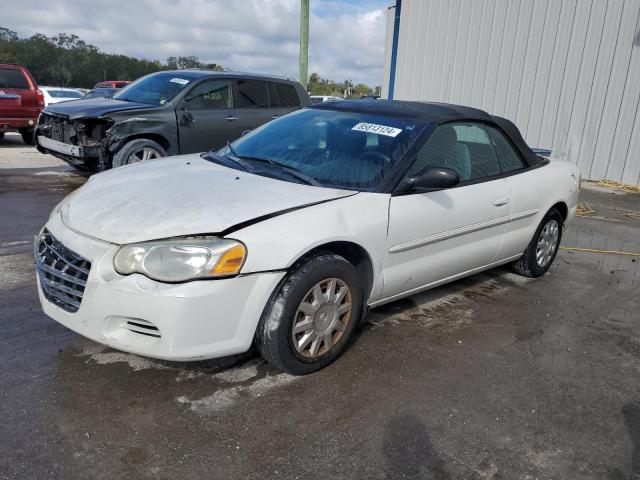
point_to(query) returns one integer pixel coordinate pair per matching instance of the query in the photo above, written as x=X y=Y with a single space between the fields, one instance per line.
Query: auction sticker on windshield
x=379 y=129
x=181 y=81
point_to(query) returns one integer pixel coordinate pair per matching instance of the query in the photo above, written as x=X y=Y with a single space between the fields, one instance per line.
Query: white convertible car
x=288 y=235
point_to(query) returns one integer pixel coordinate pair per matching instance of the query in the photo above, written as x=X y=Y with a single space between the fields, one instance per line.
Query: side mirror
x=432 y=178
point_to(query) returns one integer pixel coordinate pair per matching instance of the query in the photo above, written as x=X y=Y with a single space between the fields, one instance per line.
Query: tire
x=544 y=242
x=1 y=135
x=275 y=335
x=27 y=136
x=137 y=149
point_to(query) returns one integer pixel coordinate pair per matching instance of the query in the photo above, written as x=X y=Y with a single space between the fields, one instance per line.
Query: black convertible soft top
x=434 y=113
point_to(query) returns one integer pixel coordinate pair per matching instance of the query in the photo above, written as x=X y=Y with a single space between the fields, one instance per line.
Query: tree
x=65 y=59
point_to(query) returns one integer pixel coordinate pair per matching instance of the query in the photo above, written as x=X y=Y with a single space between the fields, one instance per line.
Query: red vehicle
x=112 y=84
x=20 y=101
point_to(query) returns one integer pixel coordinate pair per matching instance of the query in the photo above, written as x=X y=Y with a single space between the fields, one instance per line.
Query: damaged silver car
x=164 y=113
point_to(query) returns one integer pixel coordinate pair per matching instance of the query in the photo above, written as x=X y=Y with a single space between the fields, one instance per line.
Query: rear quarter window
x=285 y=95
x=252 y=94
x=11 y=78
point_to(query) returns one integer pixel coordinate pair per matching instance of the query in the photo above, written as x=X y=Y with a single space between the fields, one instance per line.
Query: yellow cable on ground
x=624 y=187
x=594 y=250
x=583 y=209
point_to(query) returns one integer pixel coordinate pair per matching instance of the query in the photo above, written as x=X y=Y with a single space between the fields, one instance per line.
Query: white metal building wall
x=567 y=72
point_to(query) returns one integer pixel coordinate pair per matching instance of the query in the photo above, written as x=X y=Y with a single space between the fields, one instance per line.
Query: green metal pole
x=304 y=42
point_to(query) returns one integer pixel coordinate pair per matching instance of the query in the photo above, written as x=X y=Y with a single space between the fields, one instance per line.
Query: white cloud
x=346 y=38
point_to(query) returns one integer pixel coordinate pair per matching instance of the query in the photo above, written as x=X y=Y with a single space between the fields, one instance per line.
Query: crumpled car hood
x=176 y=196
x=92 y=107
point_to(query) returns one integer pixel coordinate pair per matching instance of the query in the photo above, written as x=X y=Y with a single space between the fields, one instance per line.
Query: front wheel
x=308 y=323
x=543 y=248
x=138 y=150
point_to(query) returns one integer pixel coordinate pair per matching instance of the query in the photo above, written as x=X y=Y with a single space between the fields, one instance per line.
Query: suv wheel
x=309 y=321
x=27 y=136
x=138 y=150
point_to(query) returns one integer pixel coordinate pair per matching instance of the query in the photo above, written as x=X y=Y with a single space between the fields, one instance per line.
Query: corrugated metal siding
x=567 y=72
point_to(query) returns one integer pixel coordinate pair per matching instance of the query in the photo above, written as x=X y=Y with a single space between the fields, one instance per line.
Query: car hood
x=184 y=195
x=92 y=107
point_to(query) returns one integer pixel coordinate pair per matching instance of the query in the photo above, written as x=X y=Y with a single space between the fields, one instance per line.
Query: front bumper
x=73 y=154
x=182 y=322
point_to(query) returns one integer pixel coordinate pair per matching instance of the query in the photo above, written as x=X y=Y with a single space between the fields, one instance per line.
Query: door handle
x=498 y=202
x=231 y=118
x=275 y=116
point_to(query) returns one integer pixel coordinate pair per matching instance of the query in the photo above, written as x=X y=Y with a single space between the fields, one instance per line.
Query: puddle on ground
x=219 y=384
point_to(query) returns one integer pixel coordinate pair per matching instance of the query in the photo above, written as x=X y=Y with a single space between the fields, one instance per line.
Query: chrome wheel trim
x=547 y=243
x=143 y=154
x=321 y=318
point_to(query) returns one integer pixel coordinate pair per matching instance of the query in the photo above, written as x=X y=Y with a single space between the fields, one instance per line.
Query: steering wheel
x=375 y=157
x=380 y=160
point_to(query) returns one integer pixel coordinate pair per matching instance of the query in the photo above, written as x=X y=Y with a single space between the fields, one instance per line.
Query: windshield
x=335 y=149
x=154 y=89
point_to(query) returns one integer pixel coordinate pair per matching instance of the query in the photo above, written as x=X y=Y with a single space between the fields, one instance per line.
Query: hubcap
x=321 y=318
x=143 y=154
x=547 y=243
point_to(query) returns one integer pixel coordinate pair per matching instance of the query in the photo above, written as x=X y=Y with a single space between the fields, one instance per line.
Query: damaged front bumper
x=75 y=152
x=75 y=142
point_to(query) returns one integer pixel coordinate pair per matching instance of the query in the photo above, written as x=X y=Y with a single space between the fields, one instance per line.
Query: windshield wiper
x=226 y=159
x=287 y=168
x=245 y=163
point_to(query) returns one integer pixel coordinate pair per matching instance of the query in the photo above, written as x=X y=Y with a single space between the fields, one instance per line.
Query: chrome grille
x=62 y=272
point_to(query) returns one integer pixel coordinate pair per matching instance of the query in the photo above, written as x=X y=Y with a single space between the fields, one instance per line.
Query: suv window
x=210 y=95
x=463 y=147
x=509 y=159
x=11 y=78
x=283 y=95
x=252 y=94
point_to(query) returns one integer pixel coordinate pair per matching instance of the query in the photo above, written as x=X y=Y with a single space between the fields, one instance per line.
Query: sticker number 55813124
x=378 y=129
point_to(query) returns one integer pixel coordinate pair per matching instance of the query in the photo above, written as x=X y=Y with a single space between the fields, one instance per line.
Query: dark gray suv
x=164 y=113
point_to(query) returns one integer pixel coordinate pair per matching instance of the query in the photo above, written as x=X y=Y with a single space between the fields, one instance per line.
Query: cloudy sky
x=346 y=36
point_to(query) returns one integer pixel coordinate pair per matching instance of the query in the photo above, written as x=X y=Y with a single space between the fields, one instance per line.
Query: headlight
x=182 y=259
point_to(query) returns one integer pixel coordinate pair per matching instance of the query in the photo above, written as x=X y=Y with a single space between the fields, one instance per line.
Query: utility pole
x=304 y=42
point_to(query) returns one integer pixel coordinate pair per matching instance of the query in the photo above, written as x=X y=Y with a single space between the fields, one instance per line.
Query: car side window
x=463 y=147
x=509 y=159
x=286 y=94
x=252 y=94
x=210 y=95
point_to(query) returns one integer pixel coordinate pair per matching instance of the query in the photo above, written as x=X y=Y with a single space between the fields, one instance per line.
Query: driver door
x=206 y=118
x=435 y=236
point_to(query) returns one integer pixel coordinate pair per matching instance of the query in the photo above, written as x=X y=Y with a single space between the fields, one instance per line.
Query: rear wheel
x=308 y=323
x=138 y=150
x=27 y=136
x=543 y=248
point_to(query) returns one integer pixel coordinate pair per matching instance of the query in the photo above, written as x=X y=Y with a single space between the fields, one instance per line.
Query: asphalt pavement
x=492 y=377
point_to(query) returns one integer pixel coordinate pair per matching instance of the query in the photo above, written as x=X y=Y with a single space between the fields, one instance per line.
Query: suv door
x=283 y=98
x=206 y=117
x=436 y=236
x=252 y=103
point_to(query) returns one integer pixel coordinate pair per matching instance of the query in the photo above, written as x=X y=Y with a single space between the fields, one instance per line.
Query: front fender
x=277 y=243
